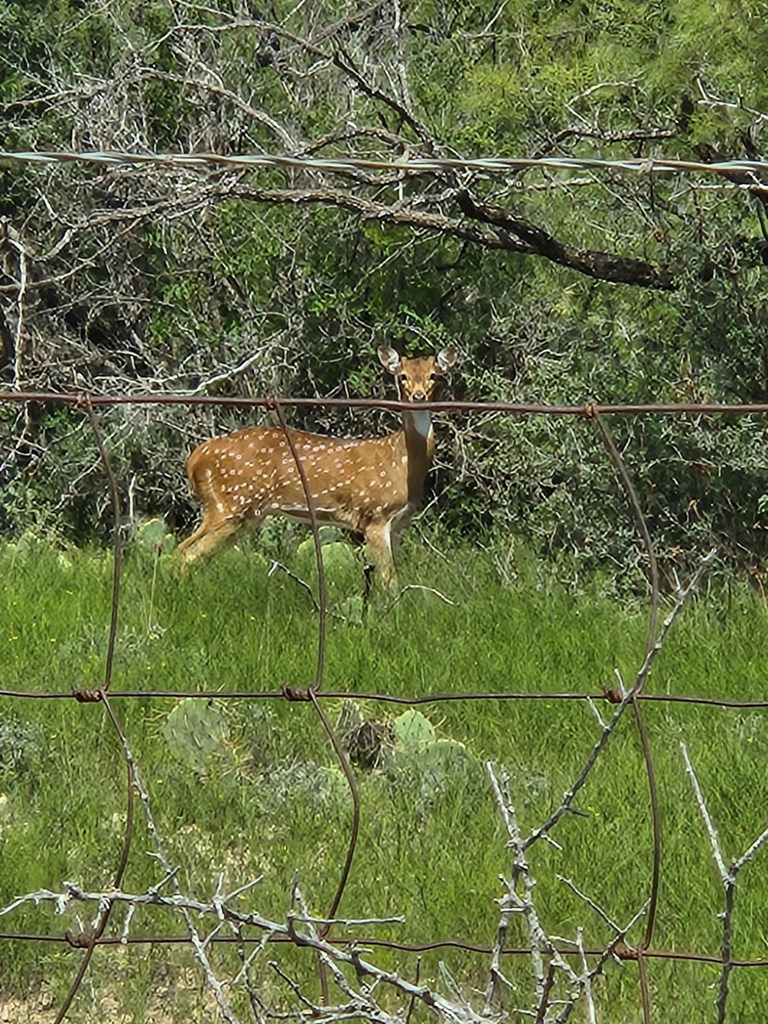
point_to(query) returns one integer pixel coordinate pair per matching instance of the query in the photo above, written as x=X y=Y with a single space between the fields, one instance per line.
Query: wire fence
x=750 y=171
x=341 y=959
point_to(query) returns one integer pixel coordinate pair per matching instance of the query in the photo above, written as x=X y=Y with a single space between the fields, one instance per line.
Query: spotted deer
x=371 y=486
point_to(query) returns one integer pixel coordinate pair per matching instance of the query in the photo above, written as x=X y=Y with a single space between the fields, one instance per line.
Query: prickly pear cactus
x=154 y=537
x=197 y=735
x=308 y=785
x=342 y=565
x=413 y=732
x=417 y=758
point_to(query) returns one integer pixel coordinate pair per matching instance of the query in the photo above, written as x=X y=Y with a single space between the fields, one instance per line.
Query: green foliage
x=34 y=34
x=139 y=281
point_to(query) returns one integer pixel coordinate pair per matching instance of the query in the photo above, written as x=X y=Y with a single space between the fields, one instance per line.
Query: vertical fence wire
x=90 y=941
x=645 y=744
x=314 y=689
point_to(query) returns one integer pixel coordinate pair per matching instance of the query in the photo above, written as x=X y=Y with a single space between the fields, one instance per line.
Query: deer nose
x=419 y=396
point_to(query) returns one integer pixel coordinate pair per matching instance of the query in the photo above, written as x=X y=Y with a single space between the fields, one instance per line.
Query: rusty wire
x=609 y=696
x=322 y=601
x=650 y=640
x=314 y=690
x=587 y=410
x=623 y=953
x=90 y=941
x=316 y=694
x=117 y=514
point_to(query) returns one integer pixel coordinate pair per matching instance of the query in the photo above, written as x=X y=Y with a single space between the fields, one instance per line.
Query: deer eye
x=403 y=377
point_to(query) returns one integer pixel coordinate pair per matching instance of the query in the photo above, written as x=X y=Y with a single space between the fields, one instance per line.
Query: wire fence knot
x=296 y=693
x=79 y=940
x=612 y=695
x=90 y=695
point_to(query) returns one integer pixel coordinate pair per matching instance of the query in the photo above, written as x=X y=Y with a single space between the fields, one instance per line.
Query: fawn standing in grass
x=372 y=486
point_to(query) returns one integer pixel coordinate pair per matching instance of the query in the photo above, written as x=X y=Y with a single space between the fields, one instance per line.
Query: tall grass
x=267 y=799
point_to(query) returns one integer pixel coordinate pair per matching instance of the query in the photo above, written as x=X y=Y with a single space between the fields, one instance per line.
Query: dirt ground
x=168 y=1006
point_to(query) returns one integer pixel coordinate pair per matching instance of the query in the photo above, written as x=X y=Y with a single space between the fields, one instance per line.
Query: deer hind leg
x=212 y=532
x=378 y=546
x=219 y=521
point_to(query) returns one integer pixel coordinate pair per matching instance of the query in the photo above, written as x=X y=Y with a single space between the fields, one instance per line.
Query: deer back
x=252 y=472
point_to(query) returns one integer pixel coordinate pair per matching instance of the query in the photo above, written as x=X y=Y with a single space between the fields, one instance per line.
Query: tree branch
x=601 y=265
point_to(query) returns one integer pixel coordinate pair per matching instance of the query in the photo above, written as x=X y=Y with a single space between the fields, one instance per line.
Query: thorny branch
x=607 y=730
x=547 y=962
x=220 y=909
x=728 y=877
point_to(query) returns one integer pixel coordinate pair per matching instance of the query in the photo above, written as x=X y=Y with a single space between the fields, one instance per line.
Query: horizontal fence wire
x=610 y=696
x=752 y=170
x=624 y=954
x=634 y=698
x=588 y=409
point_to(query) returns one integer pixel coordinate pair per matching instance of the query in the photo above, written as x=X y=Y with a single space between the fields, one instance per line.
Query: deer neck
x=419 y=447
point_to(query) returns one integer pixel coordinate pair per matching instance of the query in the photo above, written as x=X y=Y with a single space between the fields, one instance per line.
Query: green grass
x=431 y=847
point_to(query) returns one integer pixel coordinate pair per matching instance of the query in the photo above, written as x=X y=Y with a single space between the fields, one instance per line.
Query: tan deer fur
x=371 y=486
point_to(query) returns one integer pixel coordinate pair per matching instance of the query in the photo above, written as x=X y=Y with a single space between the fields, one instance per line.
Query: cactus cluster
x=406 y=749
x=419 y=755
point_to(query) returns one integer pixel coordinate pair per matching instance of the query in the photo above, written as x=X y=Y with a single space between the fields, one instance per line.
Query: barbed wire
x=624 y=954
x=549 y=959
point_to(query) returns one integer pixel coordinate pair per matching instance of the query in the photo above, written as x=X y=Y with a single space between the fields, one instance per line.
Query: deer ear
x=389 y=359
x=447 y=358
